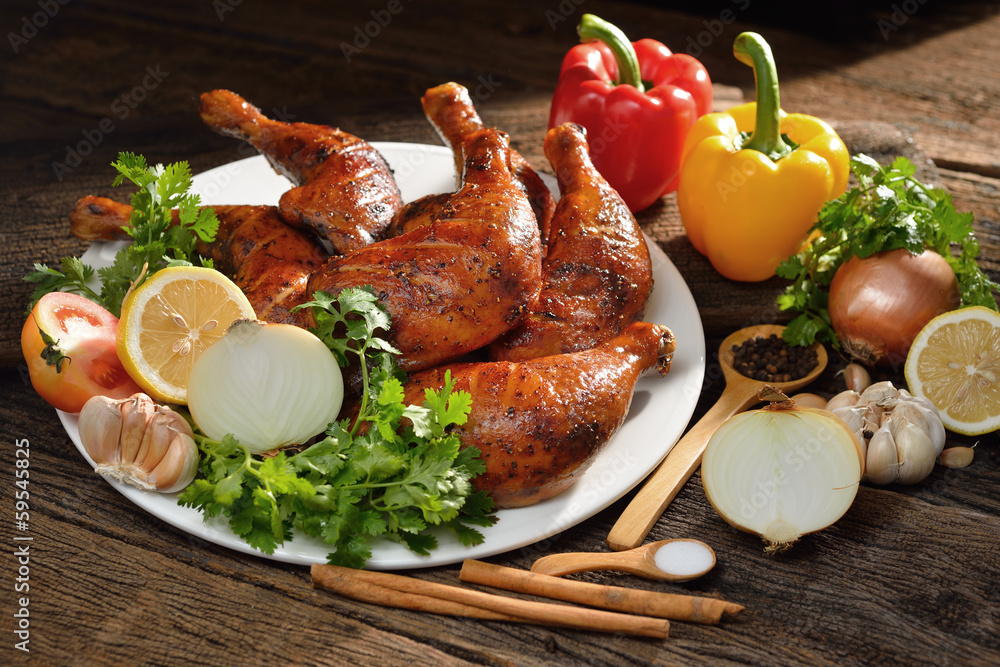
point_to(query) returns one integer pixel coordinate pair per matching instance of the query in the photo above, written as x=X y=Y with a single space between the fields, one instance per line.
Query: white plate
x=660 y=410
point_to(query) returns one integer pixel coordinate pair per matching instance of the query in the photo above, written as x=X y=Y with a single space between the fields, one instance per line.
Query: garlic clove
x=807 y=400
x=915 y=452
x=928 y=420
x=853 y=416
x=882 y=462
x=845 y=399
x=878 y=392
x=956 y=457
x=178 y=466
x=136 y=413
x=856 y=377
x=137 y=442
x=100 y=427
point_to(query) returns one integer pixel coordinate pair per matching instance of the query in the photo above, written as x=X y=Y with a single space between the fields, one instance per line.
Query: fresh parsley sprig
x=887 y=210
x=157 y=241
x=395 y=471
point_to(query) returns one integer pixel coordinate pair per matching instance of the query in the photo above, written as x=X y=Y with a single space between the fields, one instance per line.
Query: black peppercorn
x=771 y=359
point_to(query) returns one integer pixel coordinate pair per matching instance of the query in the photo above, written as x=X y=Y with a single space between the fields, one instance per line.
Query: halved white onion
x=270 y=385
x=782 y=472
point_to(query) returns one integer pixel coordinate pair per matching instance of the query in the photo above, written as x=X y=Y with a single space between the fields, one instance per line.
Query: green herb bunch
x=887 y=210
x=157 y=241
x=395 y=472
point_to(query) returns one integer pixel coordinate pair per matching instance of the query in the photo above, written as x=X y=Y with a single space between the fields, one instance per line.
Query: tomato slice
x=68 y=343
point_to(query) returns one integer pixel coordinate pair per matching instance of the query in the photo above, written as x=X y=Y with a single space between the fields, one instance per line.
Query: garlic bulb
x=269 y=385
x=139 y=442
x=782 y=471
x=901 y=434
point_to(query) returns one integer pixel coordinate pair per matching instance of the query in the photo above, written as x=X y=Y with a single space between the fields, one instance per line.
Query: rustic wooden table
x=909 y=576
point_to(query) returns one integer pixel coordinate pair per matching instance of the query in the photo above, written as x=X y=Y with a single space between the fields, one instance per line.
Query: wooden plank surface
x=909 y=576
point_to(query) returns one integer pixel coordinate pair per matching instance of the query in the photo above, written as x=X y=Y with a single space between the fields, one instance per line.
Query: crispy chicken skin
x=269 y=260
x=539 y=424
x=450 y=110
x=99 y=219
x=453 y=285
x=596 y=275
x=344 y=193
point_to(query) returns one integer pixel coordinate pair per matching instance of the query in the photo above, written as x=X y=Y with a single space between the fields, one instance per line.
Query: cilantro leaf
x=166 y=224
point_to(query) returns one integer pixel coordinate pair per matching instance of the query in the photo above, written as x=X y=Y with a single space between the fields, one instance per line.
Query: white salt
x=684 y=558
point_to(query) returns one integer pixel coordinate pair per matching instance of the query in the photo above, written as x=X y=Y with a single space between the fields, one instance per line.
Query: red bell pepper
x=637 y=102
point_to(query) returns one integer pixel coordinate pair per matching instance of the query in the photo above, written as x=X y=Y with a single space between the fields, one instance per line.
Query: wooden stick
x=394 y=590
x=629 y=600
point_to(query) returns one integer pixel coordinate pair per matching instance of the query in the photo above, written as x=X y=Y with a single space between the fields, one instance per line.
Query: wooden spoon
x=641 y=561
x=662 y=485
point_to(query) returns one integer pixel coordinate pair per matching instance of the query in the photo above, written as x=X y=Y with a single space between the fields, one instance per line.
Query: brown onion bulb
x=879 y=304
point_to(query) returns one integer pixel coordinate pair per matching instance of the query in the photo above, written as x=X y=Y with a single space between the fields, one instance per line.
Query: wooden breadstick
x=357 y=588
x=629 y=600
x=400 y=591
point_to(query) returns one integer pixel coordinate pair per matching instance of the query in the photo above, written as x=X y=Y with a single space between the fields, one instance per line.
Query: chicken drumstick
x=597 y=275
x=539 y=424
x=345 y=191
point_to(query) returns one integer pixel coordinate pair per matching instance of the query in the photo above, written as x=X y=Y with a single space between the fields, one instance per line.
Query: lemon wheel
x=955 y=363
x=169 y=320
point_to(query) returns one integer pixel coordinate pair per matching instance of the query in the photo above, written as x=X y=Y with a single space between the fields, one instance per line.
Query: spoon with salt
x=674 y=560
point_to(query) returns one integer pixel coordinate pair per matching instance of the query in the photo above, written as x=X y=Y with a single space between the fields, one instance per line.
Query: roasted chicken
x=344 y=193
x=450 y=110
x=539 y=424
x=596 y=275
x=269 y=260
x=453 y=285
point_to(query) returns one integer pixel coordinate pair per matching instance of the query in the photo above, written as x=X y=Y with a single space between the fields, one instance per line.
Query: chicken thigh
x=539 y=424
x=455 y=284
x=344 y=193
x=596 y=275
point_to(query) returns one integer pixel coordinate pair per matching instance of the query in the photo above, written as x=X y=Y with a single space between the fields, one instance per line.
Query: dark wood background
x=909 y=576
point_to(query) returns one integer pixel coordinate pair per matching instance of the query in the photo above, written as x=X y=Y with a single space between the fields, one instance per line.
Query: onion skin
x=879 y=304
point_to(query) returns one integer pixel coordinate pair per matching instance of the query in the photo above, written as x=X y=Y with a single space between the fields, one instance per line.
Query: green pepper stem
x=751 y=49
x=594 y=28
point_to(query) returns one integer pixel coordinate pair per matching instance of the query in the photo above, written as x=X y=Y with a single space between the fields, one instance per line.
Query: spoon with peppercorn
x=768 y=368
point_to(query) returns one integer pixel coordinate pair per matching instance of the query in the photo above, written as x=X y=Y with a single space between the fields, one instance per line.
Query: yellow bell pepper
x=754 y=178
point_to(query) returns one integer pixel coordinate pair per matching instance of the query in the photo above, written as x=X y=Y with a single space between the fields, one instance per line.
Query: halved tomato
x=68 y=343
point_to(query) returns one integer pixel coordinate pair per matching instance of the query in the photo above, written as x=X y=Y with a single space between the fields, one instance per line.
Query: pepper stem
x=593 y=28
x=751 y=49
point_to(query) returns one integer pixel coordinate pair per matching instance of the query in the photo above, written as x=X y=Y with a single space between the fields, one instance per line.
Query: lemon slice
x=955 y=363
x=169 y=320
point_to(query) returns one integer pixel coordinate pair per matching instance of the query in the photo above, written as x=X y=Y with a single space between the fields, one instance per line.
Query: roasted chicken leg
x=453 y=285
x=269 y=260
x=596 y=275
x=344 y=193
x=450 y=110
x=539 y=424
